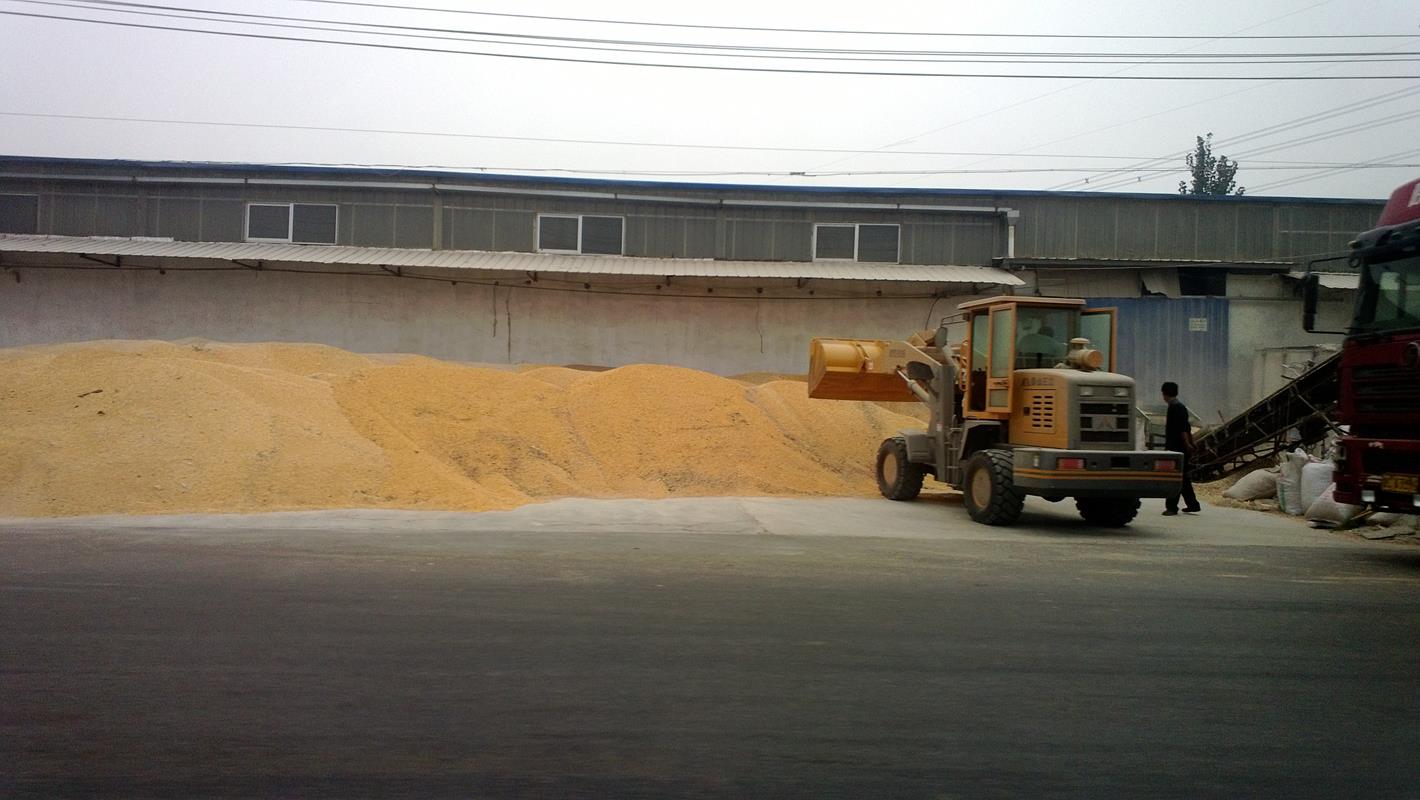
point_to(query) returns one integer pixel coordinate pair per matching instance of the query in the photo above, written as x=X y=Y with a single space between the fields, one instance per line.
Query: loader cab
x=1010 y=333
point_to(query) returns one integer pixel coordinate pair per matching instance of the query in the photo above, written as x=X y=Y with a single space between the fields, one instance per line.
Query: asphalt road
x=705 y=648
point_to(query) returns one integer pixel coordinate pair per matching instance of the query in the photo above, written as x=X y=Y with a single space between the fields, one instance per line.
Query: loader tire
x=1108 y=512
x=989 y=491
x=898 y=478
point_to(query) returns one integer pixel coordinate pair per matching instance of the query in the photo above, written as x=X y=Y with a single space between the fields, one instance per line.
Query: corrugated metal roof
x=270 y=253
x=603 y=184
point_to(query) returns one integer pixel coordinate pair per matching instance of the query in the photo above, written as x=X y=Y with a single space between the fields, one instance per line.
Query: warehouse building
x=731 y=279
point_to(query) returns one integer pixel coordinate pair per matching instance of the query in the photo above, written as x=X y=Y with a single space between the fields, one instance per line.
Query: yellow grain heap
x=157 y=427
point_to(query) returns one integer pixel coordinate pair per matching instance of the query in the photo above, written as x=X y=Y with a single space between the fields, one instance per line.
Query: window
x=1202 y=282
x=19 y=213
x=580 y=233
x=868 y=243
x=301 y=223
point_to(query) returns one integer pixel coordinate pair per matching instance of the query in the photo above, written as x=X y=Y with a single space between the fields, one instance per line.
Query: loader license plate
x=1402 y=484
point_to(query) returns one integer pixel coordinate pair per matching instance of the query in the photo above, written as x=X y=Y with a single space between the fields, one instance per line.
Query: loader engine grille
x=1040 y=412
x=1105 y=423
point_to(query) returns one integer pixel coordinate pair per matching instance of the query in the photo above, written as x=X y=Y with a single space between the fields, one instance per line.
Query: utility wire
x=1070 y=87
x=603 y=142
x=539 y=40
x=703 y=67
x=1345 y=109
x=806 y=174
x=642 y=23
x=1325 y=173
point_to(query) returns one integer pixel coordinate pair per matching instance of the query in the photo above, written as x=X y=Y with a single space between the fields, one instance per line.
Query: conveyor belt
x=1297 y=414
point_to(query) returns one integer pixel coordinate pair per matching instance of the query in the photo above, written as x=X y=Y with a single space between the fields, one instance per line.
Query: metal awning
x=148 y=249
x=1332 y=280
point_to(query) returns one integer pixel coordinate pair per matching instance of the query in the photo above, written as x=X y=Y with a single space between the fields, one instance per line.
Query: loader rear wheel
x=990 y=491
x=1107 y=512
x=898 y=478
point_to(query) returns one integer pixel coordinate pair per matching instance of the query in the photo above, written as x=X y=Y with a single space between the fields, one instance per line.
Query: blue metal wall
x=1157 y=345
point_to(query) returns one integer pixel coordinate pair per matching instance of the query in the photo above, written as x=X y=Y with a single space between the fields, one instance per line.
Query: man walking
x=1178 y=435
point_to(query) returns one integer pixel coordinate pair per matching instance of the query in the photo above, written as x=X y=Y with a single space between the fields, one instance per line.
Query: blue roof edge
x=604 y=183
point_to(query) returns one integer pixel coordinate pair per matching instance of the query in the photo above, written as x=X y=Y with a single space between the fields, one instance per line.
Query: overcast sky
x=57 y=67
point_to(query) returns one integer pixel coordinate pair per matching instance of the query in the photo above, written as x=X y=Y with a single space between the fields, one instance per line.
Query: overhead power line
x=1292 y=181
x=602 y=142
x=717 y=50
x=966 y=34
x=702 y=67
x=1076 y=84
x=728 y=173
x=1346 y=109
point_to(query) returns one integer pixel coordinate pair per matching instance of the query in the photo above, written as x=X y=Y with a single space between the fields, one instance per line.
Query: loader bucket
x=858 y=369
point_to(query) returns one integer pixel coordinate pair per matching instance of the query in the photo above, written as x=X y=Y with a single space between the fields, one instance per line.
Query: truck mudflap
x=1097 y=473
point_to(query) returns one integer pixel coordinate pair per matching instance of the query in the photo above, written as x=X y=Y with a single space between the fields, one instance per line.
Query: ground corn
x=158 y=427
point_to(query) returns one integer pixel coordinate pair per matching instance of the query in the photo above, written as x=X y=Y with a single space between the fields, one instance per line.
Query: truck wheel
x=989 y=490
x=1107 y=512
x=898 y=478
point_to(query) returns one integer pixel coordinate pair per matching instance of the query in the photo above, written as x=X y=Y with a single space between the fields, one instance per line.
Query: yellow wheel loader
x=1027 y=404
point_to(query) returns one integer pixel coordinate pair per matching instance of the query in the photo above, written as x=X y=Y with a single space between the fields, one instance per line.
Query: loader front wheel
x=990 y=492
x=1108 y=513
x=898 y=478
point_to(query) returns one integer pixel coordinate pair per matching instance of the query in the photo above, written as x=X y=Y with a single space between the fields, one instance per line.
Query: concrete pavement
x=710 y=647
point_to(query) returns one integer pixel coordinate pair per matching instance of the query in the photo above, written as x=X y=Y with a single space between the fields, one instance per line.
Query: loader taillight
x=1165 y=465
x=1070 y=463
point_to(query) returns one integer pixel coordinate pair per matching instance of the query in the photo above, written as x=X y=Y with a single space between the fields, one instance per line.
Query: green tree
x=1212 y=175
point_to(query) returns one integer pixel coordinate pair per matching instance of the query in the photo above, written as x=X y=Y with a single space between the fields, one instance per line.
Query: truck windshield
x=1389 y=297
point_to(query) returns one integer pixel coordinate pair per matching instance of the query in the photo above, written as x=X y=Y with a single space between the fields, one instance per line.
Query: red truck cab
x=1378 y=464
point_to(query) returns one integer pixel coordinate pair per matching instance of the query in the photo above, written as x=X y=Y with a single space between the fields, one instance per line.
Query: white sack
x=1289 y=483
x=1254 y=486
x=1316 y=480
x=1325 y=512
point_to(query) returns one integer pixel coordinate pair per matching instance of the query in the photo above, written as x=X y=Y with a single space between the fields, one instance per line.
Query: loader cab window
x=1043 y=336
x=980 y=330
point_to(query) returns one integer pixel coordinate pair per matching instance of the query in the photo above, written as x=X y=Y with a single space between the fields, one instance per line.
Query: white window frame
x=290 y=222
x=37 y=203
x=857 y=236
x=537 y=233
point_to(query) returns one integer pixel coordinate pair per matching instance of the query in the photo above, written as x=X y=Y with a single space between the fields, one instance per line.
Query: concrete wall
x=1259 y=323
x=465 y=322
